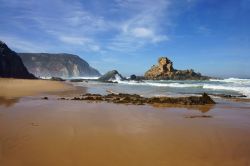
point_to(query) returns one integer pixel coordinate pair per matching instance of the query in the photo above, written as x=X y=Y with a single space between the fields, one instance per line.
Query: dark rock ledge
x=139 y=100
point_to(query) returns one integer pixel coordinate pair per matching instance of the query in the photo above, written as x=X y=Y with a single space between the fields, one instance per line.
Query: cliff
x=57 y=65
x=11 y=65
x=164 y=70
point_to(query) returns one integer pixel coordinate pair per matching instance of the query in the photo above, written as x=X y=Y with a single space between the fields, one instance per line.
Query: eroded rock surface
x=164 y=70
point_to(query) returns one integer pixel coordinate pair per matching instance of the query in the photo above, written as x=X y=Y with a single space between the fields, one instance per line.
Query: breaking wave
x=241 y=86
x=231 y=84
x=86 y=78
x=233 y=80
x=174 y=85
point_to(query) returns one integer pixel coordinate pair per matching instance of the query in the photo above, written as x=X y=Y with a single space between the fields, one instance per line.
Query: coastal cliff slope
x=11 y=65
x=57 y=65
x=164 y=70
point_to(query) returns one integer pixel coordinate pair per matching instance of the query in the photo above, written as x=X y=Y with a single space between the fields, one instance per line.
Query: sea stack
x=164 y=70
x=11 y=65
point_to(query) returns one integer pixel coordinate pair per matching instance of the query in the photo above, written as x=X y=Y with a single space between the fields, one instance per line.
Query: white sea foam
x=231 y=84
x=240 y=89
x=86 y=78
x=233 y=80
x=174 y=85
x=241 y=86
x=237 y=85
x=45 y=78
x=116 y=79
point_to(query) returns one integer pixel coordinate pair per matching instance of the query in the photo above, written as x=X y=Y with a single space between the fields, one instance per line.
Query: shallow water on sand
x=51 y=132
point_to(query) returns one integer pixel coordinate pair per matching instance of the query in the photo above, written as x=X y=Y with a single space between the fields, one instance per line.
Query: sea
x=149 y=88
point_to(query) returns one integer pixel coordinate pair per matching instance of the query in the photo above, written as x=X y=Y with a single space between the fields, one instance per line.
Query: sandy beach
x=50 y=132
x=124 y=83
x=14 y=88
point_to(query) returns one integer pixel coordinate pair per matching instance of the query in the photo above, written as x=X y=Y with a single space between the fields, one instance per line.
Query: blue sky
x=210 y=36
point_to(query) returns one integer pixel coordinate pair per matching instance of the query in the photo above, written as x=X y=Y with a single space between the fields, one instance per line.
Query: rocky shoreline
x=135 y=99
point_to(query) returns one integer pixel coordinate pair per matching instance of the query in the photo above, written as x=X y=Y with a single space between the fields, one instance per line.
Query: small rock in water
x=199 y=116
x=57 y=79
x=229 y=96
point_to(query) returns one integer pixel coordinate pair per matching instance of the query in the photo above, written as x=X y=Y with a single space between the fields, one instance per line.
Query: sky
x=209 y=36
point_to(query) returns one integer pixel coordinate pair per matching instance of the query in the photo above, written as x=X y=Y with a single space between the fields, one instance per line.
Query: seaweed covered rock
x=139 y=100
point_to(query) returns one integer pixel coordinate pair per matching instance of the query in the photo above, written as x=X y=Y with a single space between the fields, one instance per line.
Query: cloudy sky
x=210 y=36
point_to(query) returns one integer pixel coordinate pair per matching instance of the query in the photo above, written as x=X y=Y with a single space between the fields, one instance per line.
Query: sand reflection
x=79 y=133
x=8 y=102
x=200 y=108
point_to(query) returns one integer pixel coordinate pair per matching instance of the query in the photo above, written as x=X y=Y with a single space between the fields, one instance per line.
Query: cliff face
x=164 y=70
x=11 y=65
x=57 y=65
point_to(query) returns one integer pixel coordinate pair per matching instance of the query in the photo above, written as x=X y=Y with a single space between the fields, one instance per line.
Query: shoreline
x=37 y=131
x=14 y=89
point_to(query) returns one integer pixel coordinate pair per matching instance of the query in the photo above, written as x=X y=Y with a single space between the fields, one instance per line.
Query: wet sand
x=14 y=88
x=55 y=132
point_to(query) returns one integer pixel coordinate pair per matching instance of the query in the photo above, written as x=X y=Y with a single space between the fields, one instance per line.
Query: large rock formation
x=11 y=65
x=57 y=65
x=111 y=76
x=164 y=70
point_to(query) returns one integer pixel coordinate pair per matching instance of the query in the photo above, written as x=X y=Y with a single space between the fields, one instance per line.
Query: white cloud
x=70 y=22
x=142 y=32
x=146 y=33
x=95 y=48
x=74 y=40
x=22 y=45
x=203 y=30
x=86 y=43
x=65 y=21
x=143 y=26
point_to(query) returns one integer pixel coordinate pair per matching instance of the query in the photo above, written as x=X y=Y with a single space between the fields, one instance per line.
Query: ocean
x=229 y=86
